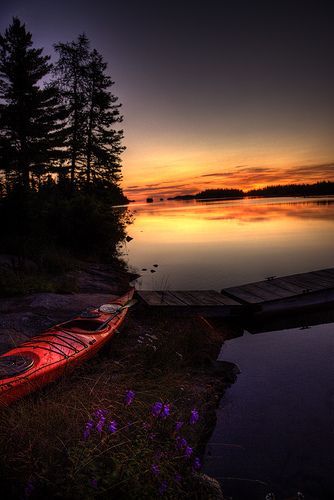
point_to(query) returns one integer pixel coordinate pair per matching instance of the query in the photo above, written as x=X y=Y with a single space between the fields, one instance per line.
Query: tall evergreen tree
x=93 y=145
x=103 y=147
x=31 y=118
x=71 y=73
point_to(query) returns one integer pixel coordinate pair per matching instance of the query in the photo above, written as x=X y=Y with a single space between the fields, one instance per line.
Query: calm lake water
x=274 y=429
x=216 y=244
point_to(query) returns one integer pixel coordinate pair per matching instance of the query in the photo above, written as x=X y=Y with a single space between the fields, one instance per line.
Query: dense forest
x=317 y=189
x=60 y=151
x=57 y=120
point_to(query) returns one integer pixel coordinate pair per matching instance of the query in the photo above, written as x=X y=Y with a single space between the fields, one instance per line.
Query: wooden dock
x=297 y=291
x=206 y=302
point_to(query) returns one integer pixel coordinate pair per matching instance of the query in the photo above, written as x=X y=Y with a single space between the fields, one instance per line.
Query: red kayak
x=44 y=358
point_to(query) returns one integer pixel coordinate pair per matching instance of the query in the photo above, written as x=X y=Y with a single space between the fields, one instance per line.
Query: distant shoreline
x=323 y=188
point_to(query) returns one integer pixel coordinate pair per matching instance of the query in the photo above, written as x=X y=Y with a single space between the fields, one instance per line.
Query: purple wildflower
x=93 y=483
x=88 y=428
x=197 y=464
x=100 y=424
x=129 y=397
x=178 y=425
x=181 y=442
x=163 y=487
x=155 y=469
x=194 y=416
x=112 y=427
x=188 y=451
x=177 y=477
x=156 y=409
x=165 y=411
x=29 y=489
x=100 y=413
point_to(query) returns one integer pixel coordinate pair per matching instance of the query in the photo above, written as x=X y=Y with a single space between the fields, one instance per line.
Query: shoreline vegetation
x=60 y=164
x=322 y=188
x=133 y=422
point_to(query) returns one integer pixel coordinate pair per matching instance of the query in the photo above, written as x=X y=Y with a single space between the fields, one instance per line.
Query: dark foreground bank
x=131 y=423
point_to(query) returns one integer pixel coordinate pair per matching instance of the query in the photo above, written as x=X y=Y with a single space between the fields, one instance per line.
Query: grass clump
x=21 y=283
x=129 y=424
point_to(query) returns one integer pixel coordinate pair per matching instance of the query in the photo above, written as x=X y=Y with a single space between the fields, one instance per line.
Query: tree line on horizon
x=59 y=123
x=316 y=189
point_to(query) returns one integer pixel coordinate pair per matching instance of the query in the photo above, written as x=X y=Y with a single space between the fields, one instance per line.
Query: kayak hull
x=46 y=357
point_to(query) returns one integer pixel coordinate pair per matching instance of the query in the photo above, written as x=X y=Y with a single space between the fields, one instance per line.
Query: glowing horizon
x=212 y=97
x=245 y=177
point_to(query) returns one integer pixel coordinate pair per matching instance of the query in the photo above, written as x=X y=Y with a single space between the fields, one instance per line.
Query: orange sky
x=159 y=173
x=232 y=95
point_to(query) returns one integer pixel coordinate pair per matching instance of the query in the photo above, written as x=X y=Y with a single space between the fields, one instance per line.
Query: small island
x=323 y=188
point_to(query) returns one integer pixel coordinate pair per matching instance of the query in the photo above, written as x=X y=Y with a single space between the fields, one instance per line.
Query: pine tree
x=103 y=147
x=71 y=73
x=93 y=145
x=31 y=118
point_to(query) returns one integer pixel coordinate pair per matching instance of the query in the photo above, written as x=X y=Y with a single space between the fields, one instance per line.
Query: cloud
x=217 y=174
x=252 y=170
x=242 y=176
x=323 y=168
x=157 y=188
x=243 y=168
x=247 y=177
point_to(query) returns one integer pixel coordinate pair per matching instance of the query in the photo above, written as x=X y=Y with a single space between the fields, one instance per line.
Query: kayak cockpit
x=11 y=366
x=86 y=325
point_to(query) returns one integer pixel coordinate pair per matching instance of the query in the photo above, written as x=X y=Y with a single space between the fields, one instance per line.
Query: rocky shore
x=175 y=359
x=26 y=316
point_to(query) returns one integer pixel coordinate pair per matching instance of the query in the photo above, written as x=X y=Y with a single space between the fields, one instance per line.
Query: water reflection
x=302 y=320
x=223 y=243
x=274 y=429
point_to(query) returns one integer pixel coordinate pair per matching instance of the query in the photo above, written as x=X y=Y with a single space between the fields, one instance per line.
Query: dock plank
x=326 y=277
x=271 y=291
x=186 y=298
x=240 y=292
x=289 y=287
x=258 y=291
x=158 y=298
x=285 y=287
x=290 y=290
x=323 y=280
x=328 y=272
x=205 y=298
x=306 y=283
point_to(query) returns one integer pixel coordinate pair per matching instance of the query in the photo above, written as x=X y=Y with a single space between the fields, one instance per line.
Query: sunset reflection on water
x=202 y=245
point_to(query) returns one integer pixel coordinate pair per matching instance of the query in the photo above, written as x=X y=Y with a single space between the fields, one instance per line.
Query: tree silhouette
x=103 y=141
x=93 y=145
x=31 y=117
x=71 y=70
